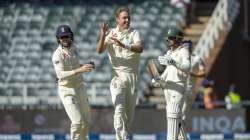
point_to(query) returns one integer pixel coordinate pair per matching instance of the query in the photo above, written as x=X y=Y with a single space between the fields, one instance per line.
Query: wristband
x=128 y=46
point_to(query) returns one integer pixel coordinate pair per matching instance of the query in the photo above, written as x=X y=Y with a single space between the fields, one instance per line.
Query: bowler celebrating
x=124 y=47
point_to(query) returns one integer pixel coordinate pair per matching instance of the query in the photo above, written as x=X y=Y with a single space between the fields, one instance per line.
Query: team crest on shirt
x=68 y=55
x=65 y=55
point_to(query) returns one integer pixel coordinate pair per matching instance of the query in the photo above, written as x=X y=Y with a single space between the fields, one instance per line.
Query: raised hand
x=105 y=28
x=116 y=41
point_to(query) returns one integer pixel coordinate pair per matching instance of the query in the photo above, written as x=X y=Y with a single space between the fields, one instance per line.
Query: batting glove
x=157 y=83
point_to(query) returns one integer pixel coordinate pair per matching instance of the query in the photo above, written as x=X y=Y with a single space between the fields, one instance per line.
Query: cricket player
x=70 y=83
x=173 y=81
x=124 y=46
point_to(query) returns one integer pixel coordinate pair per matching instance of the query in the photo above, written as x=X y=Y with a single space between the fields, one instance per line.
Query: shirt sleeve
x=136 y=37
x=58 y=66
x=185 y=64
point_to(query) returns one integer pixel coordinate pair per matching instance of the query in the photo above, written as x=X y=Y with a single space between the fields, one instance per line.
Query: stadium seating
x=28 y=40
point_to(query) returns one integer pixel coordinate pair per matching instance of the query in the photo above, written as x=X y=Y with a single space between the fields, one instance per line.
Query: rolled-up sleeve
x=136 y=37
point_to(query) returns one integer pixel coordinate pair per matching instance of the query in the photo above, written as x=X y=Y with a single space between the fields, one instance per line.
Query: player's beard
x=67 y=43
x=173 y=44
x=170 y=44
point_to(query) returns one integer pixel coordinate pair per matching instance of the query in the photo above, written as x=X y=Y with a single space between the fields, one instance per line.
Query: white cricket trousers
x=75 y=102
x=124 y=96
x=175 y=97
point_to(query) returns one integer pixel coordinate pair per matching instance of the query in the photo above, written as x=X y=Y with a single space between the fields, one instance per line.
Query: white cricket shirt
x=65 y=60
x=120 y=58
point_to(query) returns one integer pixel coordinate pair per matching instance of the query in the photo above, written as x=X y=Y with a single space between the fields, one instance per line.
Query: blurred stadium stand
x=27 y=40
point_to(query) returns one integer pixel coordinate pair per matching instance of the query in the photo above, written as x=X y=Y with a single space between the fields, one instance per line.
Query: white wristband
x=128 y=46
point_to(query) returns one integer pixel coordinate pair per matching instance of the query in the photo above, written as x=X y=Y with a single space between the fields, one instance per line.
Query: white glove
x=157 y=83
x=166 y=60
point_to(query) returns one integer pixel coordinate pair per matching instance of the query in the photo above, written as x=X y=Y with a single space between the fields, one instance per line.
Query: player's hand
x=158 y=82
x=85 y=68
x=117 y=42
x=105 y=28
x=91 y=62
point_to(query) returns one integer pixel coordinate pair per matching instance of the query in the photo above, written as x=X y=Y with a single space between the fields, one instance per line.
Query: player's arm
x=63 y=74
x=101 y=43
x=136 y=46
x=185 y=64
x=201 y=73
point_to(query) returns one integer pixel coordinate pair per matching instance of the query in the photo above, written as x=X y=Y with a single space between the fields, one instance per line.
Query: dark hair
x=121 y=9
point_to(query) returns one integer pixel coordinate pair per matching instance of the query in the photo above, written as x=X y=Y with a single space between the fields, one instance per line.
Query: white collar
x=124 y=31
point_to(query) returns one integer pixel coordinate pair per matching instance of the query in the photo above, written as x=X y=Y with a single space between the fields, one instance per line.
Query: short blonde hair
x=121 y=9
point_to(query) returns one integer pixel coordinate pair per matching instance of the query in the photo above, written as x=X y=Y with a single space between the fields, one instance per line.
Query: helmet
x=175 y=32
x=63 y=30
